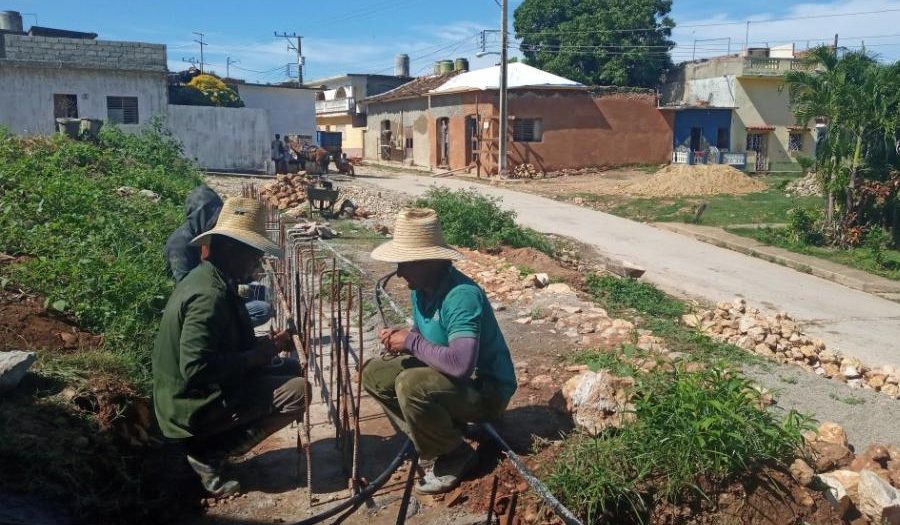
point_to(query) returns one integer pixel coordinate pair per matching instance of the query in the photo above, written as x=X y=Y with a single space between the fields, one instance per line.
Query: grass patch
x=661 y=314
x=765 y=207
x=475 y=221
x=690 y=429
x=886 y=263
x=93 y=254
x=850 y=400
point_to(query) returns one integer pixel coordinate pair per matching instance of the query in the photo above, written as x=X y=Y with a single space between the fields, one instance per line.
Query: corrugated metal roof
x=519 y=75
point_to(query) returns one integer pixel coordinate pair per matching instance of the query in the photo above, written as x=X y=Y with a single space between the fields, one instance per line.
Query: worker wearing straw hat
x=214 y=389
x=452 y=367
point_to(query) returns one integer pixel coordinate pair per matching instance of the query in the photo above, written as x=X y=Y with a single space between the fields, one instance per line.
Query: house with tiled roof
x=450 y=121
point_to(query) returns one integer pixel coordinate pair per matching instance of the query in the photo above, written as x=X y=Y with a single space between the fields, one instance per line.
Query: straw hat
x=243 y=220
x=417 y=237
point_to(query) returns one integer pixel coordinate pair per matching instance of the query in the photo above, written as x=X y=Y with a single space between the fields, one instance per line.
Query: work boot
x=211 y=478
x=448 y=470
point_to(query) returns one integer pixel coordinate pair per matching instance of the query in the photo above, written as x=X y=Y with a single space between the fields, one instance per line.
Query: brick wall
x=81 y=53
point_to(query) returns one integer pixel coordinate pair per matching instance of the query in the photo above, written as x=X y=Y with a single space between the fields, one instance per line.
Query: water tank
x=401 y=65
x=445 y=66
x=461 y=64
x=437 y=67
x=11 y=21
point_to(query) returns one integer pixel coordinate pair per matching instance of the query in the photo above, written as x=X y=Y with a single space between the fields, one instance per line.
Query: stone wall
x=82 y=53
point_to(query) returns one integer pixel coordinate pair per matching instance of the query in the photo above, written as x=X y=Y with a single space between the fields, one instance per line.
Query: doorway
x=473 y=139
x=443 y=132
x=696 y=136
x=758 y=142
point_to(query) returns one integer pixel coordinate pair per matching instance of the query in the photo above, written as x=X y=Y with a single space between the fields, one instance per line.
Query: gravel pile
x=381 y=206
x=676 y=180
x=808 y=186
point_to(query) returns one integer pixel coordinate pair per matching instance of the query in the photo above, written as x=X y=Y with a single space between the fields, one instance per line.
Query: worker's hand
x=393 y=339
x=281 y=340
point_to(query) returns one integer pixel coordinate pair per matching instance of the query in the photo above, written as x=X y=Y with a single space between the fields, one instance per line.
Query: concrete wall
x=223 y=138
x=708 y=120
x=291 y=110
x=72 y=53
x=762 y=102
x=26 y=94
x=409 y=118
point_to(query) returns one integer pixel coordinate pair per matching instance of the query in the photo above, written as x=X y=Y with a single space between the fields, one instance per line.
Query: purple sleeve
x=457 y=360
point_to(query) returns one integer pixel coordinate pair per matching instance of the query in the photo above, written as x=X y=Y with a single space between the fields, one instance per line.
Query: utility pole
x=504 y=110
x=747 y=37
x=835 y=45
x=228 y=62
x=298 y=48
x=202 y=45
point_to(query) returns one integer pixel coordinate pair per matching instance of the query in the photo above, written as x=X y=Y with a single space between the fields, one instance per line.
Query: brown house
x=450 y=121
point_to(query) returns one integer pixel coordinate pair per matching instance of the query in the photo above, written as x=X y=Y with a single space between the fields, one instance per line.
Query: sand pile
x=677 y=180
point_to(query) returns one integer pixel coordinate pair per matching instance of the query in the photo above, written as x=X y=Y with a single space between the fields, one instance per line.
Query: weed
x=791 y=380
x=538 y=313
x=472 y=220
x=631 y=293
x=850 y=400
x=525 y=270
x=689 y=428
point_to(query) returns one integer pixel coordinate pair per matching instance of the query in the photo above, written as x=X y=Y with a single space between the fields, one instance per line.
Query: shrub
x=205 y=90
x=688 y=428
x=804 y=226
x=93 y=254
x=472 y=220
x=877 y=241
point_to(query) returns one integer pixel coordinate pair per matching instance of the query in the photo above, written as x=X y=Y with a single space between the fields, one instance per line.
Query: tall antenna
x=296 y=48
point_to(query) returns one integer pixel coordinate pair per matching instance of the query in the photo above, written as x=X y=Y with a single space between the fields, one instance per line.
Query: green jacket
x=199 y=351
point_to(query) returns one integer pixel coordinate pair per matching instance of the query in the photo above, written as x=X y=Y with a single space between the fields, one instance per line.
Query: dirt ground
x=26 y=325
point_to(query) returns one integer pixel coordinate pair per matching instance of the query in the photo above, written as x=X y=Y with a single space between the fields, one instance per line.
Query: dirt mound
x=541 y=263
x=676 y=180
x=26 y=325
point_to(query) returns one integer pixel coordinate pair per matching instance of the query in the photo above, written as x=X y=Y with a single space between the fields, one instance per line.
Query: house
x=737 y=103
x=338 y=97
x=51 y=73
x=451 y=120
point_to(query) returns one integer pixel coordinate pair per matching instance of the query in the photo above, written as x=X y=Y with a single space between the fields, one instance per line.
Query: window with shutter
x=122 y=110
x=528 y=130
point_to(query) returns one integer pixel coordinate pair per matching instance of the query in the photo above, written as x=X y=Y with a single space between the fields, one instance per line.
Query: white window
x=122 y=110
x=528 y=130
x=795 y=142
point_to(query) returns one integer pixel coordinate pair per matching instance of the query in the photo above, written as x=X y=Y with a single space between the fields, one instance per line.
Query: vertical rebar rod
x=358 y=407
x=493 y=499
x=511 y=512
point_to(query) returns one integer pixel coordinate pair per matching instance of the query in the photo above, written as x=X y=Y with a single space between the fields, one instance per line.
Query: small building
x=451 y=121
x=291 y=108
x=744 y=93
x=52 y=73
x=338 y=100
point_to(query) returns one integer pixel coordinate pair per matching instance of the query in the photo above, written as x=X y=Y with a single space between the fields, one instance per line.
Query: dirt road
x=854 y=322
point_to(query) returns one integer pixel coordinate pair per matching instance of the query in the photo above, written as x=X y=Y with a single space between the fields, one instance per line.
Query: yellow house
x=338 y=105
x=752 y=85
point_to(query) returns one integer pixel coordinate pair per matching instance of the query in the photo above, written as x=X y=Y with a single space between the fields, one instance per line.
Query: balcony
x=340 y=105
x=772 y=67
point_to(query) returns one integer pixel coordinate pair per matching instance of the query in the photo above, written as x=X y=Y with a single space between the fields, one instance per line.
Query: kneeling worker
x=213 y=386
x=453 y=367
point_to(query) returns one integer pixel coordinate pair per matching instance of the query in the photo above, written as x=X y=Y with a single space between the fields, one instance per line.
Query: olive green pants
x=431 y=408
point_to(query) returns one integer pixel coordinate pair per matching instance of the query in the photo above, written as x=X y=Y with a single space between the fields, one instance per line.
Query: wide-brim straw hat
x=243 y=220
x=417 y=237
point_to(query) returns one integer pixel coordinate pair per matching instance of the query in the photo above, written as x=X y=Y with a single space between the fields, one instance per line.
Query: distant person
x=452 y=367
x=278 y=154
x=203 y=206
x=215 y=387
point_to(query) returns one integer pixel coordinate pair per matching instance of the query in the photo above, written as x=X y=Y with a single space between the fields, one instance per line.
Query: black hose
x=365 y=493
x=539 y=488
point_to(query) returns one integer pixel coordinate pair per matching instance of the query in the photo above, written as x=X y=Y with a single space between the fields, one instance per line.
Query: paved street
x=853 y=322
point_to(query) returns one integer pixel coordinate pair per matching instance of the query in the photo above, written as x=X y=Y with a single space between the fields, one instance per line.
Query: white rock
x=878 y=501
x=541 y=280
x=597 y=400
x=13 y=367
x=559 y=288
x=836 y=493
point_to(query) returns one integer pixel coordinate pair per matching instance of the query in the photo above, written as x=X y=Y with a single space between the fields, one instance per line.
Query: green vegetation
x=472 y=220
x=850 y=400
x=873 y=259
x=92 y=253
x=690 y=430
x=67 y=434
x=857 y=158
x=766 y=207
x=562 y=37
x=661 y=314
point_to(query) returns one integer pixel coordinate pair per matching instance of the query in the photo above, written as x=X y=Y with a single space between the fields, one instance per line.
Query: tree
x=597 y=42
x=857 y=160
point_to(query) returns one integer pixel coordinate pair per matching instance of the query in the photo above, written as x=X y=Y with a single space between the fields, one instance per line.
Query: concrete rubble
x=381 y=207
x=806 y=186
x=868 y=482
x=287 y=191
x=313 y=230
x=13 y=367
x=596 y=400
x=780 y=338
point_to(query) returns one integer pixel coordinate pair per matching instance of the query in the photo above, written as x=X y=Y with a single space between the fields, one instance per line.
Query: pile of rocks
x=312 y=230
x=526 y=171
x=807 y=186
x=868 y=482
x=287 y=191
x=381 y=206
x=779 y=337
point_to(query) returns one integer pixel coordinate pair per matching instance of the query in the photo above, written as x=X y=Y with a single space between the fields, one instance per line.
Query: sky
x=357 y=36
